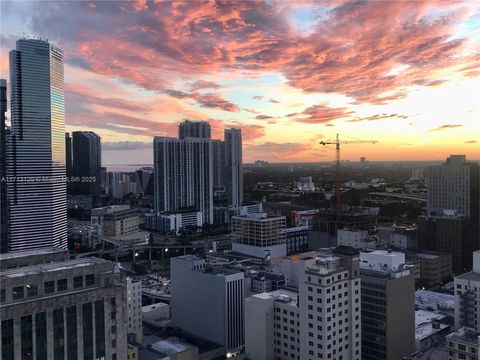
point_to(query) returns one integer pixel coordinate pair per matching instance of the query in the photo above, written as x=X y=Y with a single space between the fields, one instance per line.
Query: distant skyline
x=290 y=74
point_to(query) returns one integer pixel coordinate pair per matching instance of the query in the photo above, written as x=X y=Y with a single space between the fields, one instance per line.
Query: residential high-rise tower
x=86 y=162
x=196 y=129
x=234 y=173
x=3 y=168
x=36 y=151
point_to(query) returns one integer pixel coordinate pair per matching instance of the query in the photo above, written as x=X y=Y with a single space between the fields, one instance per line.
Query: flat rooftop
x=434 y=300
x=469 y=276
x=27 y=253
x=52 y=267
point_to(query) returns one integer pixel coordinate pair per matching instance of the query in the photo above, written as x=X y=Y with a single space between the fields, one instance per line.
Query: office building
x=467 y=297
x=435 y=268
x=219 y=169
x=207 y=302
x=304 y=184
x=72 y=309
x=388 y=306
x=463 y=344
x=175 y=223
x=183 y=175
x=356 y=238
x=296 y=239
x=453 y=210
x=450 y=235
x=259 y=236
x=4 y=243
x=87 y=162
x=68 y=155
x=134 y=310
x=194 y=129
x=36 y=148
x=321 y=321
x=233 y=162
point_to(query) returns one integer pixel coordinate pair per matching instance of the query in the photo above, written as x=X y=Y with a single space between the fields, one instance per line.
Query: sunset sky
x=406 y=73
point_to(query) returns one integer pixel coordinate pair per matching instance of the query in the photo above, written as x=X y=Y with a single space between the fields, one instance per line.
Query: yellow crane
x=337 y=143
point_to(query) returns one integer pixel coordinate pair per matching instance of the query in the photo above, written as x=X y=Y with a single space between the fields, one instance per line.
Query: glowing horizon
x=290 y=74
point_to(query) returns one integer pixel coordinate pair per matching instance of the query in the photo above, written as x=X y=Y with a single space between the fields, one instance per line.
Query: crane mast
x=337 y=142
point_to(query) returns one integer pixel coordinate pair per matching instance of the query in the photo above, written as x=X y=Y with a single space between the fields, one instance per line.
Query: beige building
x=321 y=321
x=463 y=344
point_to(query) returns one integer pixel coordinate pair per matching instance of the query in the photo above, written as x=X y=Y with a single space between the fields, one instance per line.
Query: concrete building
x=304 y=184
x=17 y=259
x=183 y=175
x=388 y=306
x=4 y=241
x=194 y=129
x=296 y=239
x=463 y=344
x=134 y=310
x=86 y=162
x=321 y=321
x=234 y=167
x=356 y=238
x=467 y=297
x=208 y=302
x=435 y=268
x=36 y=148
x=259 y=236
x=64 y=310
x=176 y=222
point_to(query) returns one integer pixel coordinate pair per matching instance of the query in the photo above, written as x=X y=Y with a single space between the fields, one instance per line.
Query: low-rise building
x=463 y=344
x=435 y=267
x=356 y=238
x=296 y=239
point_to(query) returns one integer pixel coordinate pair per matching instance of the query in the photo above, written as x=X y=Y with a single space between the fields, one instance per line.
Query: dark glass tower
x=87 y=162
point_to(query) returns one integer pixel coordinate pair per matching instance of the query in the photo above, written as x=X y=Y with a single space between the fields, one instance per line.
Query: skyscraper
x=196 y=129
x=87 y=162
x=234 y=173
x=68 y=160
x=183 y=175
x=3 y=168
x=388 y=306
x=36 y=150
x=218 y=151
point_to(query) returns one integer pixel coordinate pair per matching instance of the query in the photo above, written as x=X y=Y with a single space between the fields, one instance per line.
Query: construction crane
x=337 y=143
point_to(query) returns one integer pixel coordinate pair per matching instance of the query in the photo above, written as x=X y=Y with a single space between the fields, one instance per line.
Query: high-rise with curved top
x=36 y=148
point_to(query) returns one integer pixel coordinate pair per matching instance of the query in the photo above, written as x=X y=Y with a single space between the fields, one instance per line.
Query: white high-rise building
x=36 y=150
x=467 y=297
x=183 y=175
x=134 y=309
x=234 y=173
x=207 y=301
x=322 y=321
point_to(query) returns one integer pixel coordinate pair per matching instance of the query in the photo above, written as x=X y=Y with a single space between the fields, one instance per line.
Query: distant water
x=126 y=168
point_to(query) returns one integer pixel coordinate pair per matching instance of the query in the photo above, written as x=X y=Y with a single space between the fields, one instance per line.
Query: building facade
x=73 y=309
x=259 y=236
x=4 y=242
x=233 y=162
x=208 y=302
x=86 y=162
x=36 y=150
x=388 y=306
x=183 y=175
x=194 y=129
x=134 y=310
x=219 y=169
x=467 y=297
x=321 y=321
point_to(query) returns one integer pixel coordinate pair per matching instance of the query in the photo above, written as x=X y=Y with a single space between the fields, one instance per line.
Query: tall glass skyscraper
x=36 y=150
x=234 y=173
x=87 y=162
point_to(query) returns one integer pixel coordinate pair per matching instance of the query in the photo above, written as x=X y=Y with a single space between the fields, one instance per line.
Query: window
x=48 y=287
x=2 y=295
x=17 y=293
x=62 y=285
x=32 y=290
x=90 y=280
x=77 y=282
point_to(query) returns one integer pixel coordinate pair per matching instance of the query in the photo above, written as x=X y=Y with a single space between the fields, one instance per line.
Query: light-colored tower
x=234 y=173
x=183 y=175
x=36 y=150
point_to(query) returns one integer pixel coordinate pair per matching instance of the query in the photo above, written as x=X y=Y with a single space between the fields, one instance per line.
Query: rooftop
x=469 y=276
x=465 y=335
x=52 y=267
x=425 y=299
x=36 y=252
